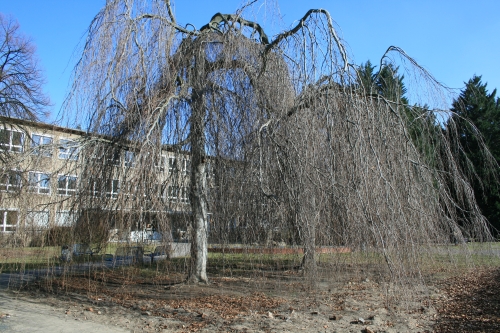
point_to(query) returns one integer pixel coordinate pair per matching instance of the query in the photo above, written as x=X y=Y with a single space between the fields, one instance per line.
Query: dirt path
x=22 y=314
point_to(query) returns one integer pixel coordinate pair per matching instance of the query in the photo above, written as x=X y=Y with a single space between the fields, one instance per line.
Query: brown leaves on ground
x=229 y=307
x=195 y=306
x=467 y=303
x=472 y=303
x=199 y=312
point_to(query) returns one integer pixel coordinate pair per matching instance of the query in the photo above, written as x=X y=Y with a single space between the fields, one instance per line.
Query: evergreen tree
x=483 y=110
x=385 y=83
x=420 y=120
x=366 y=77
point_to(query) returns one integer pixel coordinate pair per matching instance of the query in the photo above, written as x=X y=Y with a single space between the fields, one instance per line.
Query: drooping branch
x=302 y=23
x=341 y=172
x=414 y=63
x=170 y=13
x=168 y=22
x=219 y=18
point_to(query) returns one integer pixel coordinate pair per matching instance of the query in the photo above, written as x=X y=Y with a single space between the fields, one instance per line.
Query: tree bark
x=199 y=242
x=309 y=259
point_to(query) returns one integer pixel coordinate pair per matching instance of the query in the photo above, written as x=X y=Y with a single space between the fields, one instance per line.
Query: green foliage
x=421 y=123
x=366 y=77
x=483 y=110
x=385 y=83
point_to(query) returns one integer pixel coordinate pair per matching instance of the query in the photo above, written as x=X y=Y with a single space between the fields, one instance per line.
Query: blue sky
x=453 y=39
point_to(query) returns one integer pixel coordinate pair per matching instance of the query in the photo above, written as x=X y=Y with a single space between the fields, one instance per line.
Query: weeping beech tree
x=285 y=143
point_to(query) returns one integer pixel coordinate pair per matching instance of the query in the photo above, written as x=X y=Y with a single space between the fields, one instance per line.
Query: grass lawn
x=448 y=256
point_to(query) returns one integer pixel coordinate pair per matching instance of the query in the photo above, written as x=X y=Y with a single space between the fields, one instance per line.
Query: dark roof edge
x=38 y=124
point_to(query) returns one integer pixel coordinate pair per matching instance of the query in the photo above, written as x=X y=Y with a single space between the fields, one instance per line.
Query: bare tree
x=300 y=148
x=21 y=97
x=21 y=80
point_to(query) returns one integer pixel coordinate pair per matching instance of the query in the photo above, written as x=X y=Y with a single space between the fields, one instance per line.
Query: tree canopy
x=21 y=93
x=303 y=153
x=482 y=108
x=21 y=80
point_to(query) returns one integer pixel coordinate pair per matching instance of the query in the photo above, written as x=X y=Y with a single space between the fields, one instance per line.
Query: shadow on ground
x=472 y=303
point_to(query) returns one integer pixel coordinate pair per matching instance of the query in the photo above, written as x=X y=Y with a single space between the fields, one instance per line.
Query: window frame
x=66 y=151
x=4 y=220
x=66 y=190
x=70 y=217
x=172 y=166
x=113 y=157
x=129 y=159
x=42 y=149
x=94 y=190
x=112 y=191
x=37 y=187
x=186 y=166
x=9 y=146
x=8 y=186
x=31 y=217
x=163 y=191
x=173 y=192
x=160 y=163
x=184 y=195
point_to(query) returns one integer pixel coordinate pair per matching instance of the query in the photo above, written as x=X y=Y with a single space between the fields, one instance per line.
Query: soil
x=469 y=303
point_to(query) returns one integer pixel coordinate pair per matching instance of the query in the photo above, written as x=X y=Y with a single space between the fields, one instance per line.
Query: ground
x=469 y=303
x=267 y=295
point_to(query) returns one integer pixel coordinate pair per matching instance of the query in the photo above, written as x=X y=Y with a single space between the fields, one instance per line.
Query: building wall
x=43 y=168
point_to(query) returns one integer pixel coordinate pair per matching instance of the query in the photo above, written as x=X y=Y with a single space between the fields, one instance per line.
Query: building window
x=130 y=189
x=41 y=145
x=11 y=140
x=172 y=165
x=68 y=150
x=186 y=166
x=162 y=189
x=105 y=154
x=37 y=220
x=176 y=193
x=8 y=220
x=66 y=185
x=10 y=180
x=160 y=162
x=210 y=171
x=112 y=188
x=173 y=192
x=93 y=187
x=39 y=182
x=185 y=195
x=65 y=218
x=129 y=159
x=157 y=192
x=114 y=157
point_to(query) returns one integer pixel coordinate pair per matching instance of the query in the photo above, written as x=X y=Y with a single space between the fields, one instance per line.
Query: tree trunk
x=198 y=191
x=309 y=259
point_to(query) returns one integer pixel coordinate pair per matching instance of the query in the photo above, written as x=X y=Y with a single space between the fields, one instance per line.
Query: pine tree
x=483 y=110
x=420 y=120
x=386 y=82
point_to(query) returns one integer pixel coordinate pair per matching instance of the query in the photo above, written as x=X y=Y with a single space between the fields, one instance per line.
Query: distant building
x=44 y=168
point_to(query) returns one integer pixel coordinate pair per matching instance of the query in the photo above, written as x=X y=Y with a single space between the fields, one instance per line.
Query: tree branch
x=301 y=24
